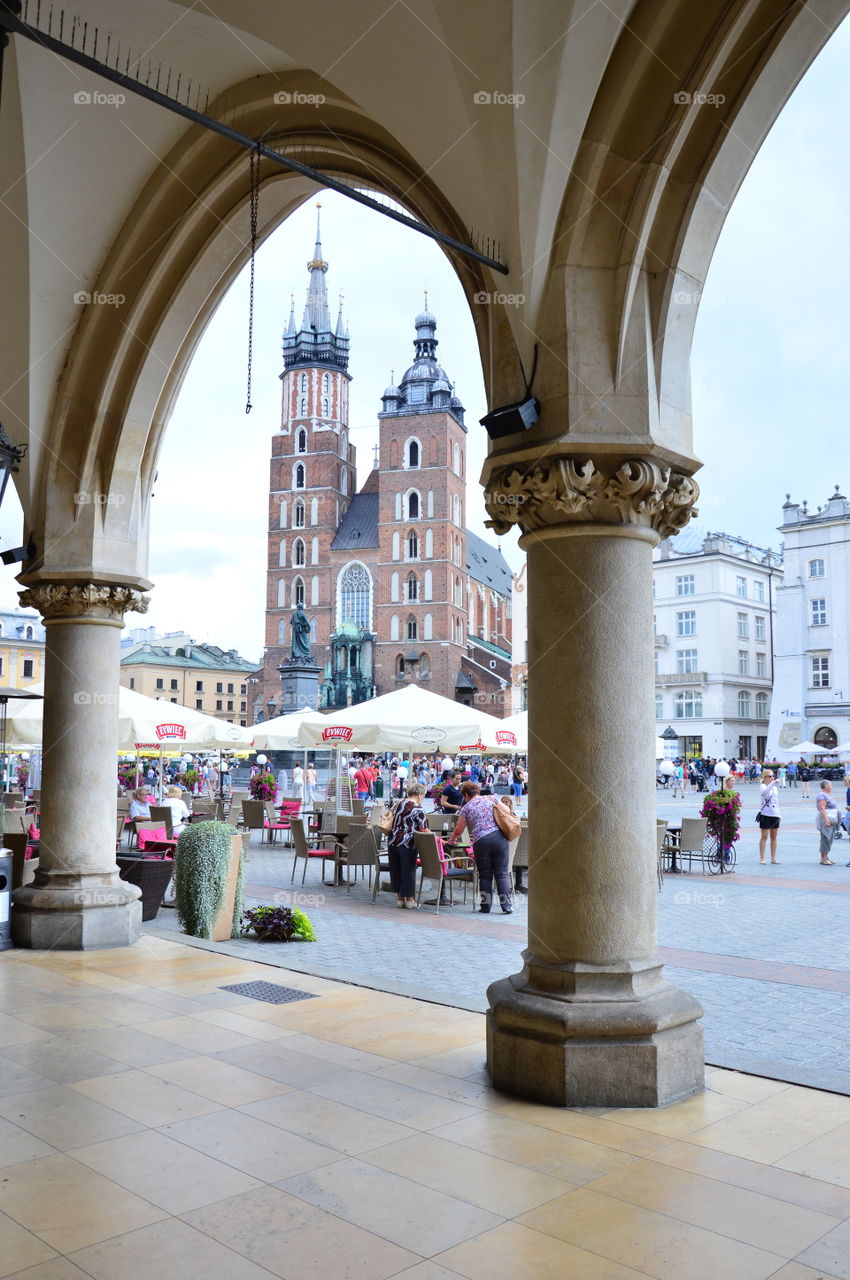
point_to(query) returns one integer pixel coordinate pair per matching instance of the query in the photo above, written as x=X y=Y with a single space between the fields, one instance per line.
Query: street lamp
x=722 y=771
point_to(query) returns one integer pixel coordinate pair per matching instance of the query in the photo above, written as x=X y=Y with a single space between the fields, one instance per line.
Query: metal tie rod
x=10 y=22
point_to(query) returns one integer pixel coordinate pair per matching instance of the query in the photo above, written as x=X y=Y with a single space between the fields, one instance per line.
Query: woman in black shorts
x=768 y=816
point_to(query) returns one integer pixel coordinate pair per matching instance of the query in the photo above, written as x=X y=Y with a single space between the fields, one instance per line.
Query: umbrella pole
x=5 y=712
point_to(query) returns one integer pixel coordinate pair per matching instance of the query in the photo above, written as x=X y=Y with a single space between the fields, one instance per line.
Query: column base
x=56 y=914
x=608 y=1037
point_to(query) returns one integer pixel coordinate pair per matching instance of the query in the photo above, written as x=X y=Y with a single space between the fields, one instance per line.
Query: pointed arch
x=396 y=545
x=314 y=551
x=314 y=511
x=298 y=514
x=299 y=555
x=282 y=554
x=298 y=596
x=428 y=585
x=429 y=544
x=428 y=627
x=394 y=587
x=282 y=522
x=301 y=440
x=354 y=592
x=281 y=593
x=394 y=627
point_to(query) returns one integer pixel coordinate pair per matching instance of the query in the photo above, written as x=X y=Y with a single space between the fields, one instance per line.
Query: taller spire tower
x=316 y=343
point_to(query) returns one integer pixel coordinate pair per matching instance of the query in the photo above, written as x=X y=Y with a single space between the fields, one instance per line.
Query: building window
x=686 y=660
x=818 y=613
x=28 y=669
x=230 y=688
x=301 y=441
x=326 y=407
x=816 y=569
x=686 y=585
x=199 y=704
x=199 y=686
x=743 y=705
x=761 y=629
x=243 y=689
x=298 y=514
x=758 y=590
x=412 y=631
x=741 y=588
x=412 y=588
x=298 y=590
x=743 y=626
x=424 y=667
x=413 y=506
x=399 y=666
x=761 y=706
x=659 y=706
x=820 y=673
x=132 y=678
x=219 y=687
x=298 y=552
x=303 y=382
x=326 y=384
x=302 y=407
x=355 y=596
x=160 y=683
x=229 y=705
x=686 y=623
x=412 y=547
x=825 y=738
x=243 y=707
x=413 y=453
x=218 y=705
x=761 y=664
x=743 y=662
x=174 y=685
x=300 y=476
x=688 y=704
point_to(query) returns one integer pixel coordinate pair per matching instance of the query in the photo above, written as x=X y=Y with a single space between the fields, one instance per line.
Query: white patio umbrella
x=408 y=719
x=506 y=737
x=281 y=733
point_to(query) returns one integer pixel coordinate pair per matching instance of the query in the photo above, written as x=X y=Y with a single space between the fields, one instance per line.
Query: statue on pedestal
x=300 y=624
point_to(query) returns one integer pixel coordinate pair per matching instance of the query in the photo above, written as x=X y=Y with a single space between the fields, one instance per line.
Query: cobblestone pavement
x=765 y=949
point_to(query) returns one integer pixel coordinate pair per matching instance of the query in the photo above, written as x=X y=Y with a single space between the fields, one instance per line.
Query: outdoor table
x=673 y=836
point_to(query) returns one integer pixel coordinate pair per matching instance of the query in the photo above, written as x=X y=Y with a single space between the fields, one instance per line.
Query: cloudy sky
x=770 y=368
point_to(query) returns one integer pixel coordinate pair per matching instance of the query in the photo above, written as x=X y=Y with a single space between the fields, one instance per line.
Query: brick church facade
x=396 y=587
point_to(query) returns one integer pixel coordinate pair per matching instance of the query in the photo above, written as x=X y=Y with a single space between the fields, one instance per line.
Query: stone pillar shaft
x=77 y=899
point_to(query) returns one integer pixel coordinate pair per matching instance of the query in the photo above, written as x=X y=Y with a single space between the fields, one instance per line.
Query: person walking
x=678 y=776
x=805 y=777
x=783 y=774
x=408 y=818
x=791 y=772
x=768 y=817
x=298 y=783
x=826 y=820
x=311 y=781
x=489 y=846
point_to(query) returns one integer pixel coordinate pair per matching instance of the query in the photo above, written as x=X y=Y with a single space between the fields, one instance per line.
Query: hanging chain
x=254 y=159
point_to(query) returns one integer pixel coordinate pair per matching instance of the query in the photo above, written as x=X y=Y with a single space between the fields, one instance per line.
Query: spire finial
x=426 y=299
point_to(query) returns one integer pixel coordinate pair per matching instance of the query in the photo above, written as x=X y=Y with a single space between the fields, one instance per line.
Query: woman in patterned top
x=489 y=845
x=408 y=818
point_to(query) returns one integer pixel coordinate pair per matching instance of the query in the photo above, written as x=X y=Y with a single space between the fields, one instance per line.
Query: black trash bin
x=379 y=788
x=5 y=900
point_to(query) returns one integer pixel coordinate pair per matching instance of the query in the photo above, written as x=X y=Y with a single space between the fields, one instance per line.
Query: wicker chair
x=152 y=875
x=361 y=850
x=304 y=848
x=458 y=870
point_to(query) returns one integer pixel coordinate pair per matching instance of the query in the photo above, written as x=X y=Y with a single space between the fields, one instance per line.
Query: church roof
x=358 y=528
x=487 y=565
x=316 y=342
x=425 y=387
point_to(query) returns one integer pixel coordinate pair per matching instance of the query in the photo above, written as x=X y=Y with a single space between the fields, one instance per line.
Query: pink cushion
x=34 y=833
x=156 y=836
x=320 y=853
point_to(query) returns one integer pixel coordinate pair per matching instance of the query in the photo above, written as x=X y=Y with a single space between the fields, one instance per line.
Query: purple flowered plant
x=263 y=786
x=722 y=812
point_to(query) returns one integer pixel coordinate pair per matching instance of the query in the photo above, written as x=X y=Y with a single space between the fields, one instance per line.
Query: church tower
x=312 y=478
x=421 y=621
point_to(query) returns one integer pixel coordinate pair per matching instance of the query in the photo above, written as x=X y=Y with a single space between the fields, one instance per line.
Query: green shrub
x=202 y=862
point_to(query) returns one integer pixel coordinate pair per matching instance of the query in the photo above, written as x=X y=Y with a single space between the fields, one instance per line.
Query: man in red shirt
x=362 y=782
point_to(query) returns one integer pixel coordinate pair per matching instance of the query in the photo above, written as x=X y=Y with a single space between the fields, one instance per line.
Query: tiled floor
x=152 y=1125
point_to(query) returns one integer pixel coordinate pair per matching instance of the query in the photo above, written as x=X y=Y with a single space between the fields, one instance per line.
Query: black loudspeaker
x=512 y=418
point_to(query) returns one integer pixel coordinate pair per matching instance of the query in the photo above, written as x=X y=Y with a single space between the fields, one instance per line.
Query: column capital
x=83 y=601
x=576 y=489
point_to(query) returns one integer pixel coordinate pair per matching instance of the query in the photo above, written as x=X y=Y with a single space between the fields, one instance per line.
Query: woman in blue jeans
x=489 y=845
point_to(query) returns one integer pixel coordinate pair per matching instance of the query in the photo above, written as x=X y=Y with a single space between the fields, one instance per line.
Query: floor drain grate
x=270 y=992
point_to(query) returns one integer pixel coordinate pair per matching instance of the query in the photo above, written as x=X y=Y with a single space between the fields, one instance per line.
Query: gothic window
x=394 y=587
x=396 y=545
x=298 y=591
x=281 y=594
x=300 y=476
x=303 y=382
x=424 y=667
x=355 y=596
x=430 y=504
x=302 y=407
x=326 y=407
x=282 y=560
x=298 y=556
x=343 y=480
x=314 y=511
x=326 y=384
x=394 y=627
x=301 y=441
x=456 y=458
x=283 y=514
x=298 y=514
x=429 y=544
x=398 y=506
x=427 y=627
x=314 y=591
x=411 y=629
x=413 y=453
x=429 y=587
x=412 y=587
x=413 y=506
x=399 y=665
x=314 y=551
x=412 y=546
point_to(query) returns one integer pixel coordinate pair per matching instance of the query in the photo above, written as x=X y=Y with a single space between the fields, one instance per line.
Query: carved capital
x=83 y=600
x=575 y=490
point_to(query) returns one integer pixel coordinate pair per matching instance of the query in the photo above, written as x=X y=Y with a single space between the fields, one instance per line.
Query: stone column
x=77 y=900
x=590 y=1021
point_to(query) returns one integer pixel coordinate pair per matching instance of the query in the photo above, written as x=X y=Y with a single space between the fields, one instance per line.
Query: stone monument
x=299 y=674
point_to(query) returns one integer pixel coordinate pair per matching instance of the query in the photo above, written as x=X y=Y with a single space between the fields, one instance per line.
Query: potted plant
x=189 y=779
x=263 y=786
x=278 y=924
x=208 y=880
x=722 y=812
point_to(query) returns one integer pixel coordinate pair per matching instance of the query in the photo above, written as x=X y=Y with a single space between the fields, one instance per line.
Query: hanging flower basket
x=278 y=924
x=263 y=786
x=722 y=812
